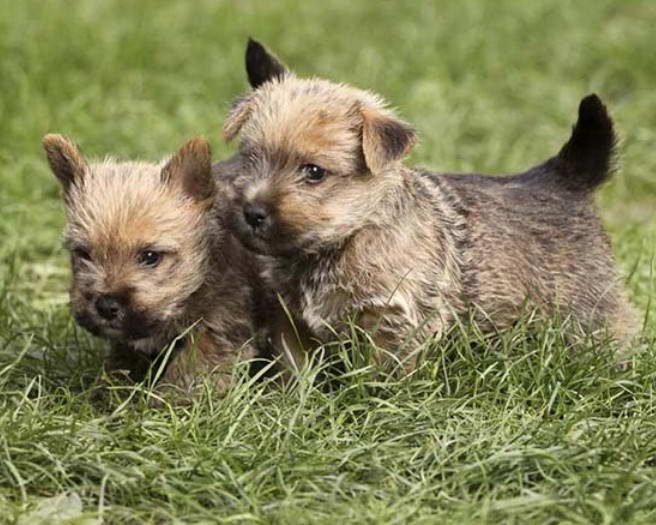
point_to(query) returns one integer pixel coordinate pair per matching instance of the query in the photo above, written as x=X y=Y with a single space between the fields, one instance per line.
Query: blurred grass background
x=491 y=86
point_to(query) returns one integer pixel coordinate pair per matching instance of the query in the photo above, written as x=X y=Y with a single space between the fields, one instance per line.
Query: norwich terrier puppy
x=349 y=233
x=153 y=265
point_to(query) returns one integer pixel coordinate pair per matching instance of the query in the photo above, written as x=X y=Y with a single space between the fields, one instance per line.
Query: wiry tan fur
x=405 y=253
x=118 y=210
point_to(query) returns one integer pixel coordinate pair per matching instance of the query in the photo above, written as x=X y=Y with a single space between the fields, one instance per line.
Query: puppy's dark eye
x=150 y=258
x=82 y=253
x=313 y=173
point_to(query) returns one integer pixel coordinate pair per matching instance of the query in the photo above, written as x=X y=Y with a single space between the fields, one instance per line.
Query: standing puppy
x=349 y=233
x=150 y=259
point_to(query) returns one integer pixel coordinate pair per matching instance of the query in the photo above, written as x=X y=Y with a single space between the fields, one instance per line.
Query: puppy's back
x=536 y=236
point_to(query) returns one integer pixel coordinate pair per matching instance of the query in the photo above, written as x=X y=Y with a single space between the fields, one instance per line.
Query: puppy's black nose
x=107 y=307
x=256 y=214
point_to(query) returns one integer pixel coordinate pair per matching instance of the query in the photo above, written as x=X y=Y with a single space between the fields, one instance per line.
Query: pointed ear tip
x=253 y=45
x=254 y=51
x=197 y=145
x=52 y=139
x=201 y=142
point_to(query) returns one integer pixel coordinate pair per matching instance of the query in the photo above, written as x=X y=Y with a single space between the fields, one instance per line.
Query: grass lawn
x=518 y=431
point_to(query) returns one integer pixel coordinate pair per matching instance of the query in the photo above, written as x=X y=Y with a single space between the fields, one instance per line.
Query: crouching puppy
x=151 y=261
x=349 y=233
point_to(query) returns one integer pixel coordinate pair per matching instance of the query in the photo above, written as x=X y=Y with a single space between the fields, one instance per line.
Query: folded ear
x=191 y=168
x=261 y=65
x=65 y=159
x=237 y=116
x=385 y=139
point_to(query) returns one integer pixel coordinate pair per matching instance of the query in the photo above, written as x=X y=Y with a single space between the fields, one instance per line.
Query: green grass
x=520 y=430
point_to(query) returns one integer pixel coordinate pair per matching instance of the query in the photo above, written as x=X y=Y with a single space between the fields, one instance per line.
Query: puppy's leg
x=128 y=363
x=123 y=366
x=397 y=339
x=205 y=359
x=291 y=342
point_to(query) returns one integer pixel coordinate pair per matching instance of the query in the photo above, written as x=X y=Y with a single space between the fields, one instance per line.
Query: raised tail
x=587 y=159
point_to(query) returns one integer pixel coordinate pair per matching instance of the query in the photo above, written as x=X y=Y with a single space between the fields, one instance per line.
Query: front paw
x=111 y=387
x=166 y=394
x=176 y=394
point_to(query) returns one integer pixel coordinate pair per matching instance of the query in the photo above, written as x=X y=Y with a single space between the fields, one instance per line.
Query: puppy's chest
x=326 y=302
x=316 y=296
x=326 y=308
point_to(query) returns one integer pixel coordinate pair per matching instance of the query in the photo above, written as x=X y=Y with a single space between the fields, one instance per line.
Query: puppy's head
x=316 y=158
x=138 y=235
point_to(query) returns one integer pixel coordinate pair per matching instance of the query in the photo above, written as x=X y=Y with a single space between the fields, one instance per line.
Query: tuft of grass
x=516 y=429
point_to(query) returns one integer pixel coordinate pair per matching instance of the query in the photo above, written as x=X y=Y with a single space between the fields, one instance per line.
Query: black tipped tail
x=587 y=160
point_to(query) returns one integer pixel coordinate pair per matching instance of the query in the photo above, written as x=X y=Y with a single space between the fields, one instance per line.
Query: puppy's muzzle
x=107 y=307
x=257 y=215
